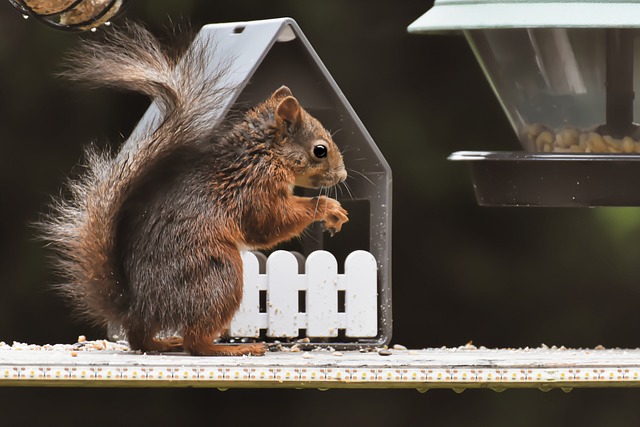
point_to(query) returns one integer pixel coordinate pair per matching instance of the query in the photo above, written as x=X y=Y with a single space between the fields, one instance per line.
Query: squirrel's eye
x=320 y=151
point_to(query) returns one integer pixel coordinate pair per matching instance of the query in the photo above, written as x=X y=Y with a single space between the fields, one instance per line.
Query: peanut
x=573 y=140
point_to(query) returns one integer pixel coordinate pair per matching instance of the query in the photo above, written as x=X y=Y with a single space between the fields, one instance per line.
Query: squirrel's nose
x=342 y=176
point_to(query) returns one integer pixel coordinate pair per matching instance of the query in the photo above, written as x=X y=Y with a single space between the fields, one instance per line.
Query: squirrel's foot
x=164 y=345
x=171 y=343
x=258 y=349
x=144 y=340
x=334 y=214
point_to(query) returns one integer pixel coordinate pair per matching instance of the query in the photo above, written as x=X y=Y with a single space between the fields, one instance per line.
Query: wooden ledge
x=455 y=368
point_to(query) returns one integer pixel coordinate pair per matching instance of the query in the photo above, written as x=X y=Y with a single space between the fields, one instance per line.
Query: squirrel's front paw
x=334 y=214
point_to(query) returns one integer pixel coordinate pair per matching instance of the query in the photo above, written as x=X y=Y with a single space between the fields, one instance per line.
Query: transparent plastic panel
x=565 y=90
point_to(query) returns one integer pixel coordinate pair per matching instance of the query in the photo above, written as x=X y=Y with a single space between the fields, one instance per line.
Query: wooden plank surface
x=87 y=364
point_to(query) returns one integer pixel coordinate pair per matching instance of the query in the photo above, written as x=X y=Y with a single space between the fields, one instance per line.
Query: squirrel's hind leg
x=201 y=343
x=210 y=317
x=144 y=339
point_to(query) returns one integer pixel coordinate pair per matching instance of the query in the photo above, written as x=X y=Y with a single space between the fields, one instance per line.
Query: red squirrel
x=150 y=239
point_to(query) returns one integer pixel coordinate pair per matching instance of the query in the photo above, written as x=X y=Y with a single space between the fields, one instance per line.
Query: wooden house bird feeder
x=326 y=290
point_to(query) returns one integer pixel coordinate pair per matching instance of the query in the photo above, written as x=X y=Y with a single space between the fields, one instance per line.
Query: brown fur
x=150 y=239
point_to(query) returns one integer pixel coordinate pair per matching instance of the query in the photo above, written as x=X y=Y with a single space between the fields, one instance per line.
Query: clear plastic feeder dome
x=565 y=89
x=564 y=72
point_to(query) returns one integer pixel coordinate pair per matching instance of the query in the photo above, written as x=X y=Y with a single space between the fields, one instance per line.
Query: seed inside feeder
x=574 y=140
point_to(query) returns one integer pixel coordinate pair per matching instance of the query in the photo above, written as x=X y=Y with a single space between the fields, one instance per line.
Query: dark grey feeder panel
x=270 y=53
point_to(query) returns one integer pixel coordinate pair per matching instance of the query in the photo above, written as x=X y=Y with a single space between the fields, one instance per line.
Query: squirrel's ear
x=282 y=92
x=289 y=110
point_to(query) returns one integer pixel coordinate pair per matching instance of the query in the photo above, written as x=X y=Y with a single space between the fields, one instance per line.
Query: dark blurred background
x=500 y=277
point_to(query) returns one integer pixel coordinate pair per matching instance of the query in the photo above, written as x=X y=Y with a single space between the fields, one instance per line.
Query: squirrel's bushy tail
x=82 y=227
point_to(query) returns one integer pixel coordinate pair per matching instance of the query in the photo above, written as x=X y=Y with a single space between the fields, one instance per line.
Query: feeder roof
x=453 y=15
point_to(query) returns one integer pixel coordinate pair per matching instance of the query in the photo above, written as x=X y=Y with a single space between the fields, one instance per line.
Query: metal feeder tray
x=554 y=180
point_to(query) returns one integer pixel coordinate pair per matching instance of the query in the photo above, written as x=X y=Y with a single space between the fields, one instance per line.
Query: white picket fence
x=321 y=314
